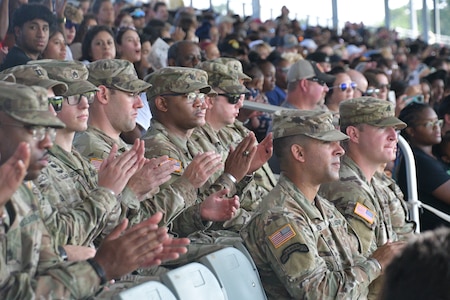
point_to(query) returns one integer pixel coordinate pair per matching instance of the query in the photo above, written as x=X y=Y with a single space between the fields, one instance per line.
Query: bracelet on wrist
x=231 y=177
x=377 y=263
x=62 y=253
x=99 y=270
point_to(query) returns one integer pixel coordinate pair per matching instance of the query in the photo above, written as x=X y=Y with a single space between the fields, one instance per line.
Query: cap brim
x=244 y=77
x=204 y=88
x=7 y=78
x=236 y=89
x=38 y=118
x=389 y=122
x=329 y=136
x=138 y=86
x=80 y=87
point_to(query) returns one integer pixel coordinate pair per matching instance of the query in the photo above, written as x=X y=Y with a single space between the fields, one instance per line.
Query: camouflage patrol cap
x=7 y=77
x=36 y=75
x=368 y=110
x=178 y=80
x=27 y=104
x=117 y=74
x=73 y=73
x=304 y=69
x=315 y=124
x=222 y=77
x=235 y=65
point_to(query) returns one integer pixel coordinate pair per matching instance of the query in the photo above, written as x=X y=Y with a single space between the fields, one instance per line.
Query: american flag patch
x=364 y=213
x=178 y=164
x=282 y=235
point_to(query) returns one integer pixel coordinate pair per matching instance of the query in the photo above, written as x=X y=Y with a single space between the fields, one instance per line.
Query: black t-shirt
x=15 y=57
x=431 y=174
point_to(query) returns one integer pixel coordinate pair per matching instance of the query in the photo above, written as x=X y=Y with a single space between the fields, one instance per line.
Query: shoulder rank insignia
x=364 y=213
x=282 y=235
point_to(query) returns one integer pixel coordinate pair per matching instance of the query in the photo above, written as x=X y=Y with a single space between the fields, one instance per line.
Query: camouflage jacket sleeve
x=82 y=224
x=29 y=265
x=299 y=265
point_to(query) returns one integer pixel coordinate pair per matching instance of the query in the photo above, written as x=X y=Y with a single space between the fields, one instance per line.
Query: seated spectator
x=56 y=47
x=424 y=131
x=98 y=44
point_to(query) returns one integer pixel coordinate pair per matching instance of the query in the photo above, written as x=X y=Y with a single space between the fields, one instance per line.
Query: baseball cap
x=36 y=75
x=27 y=104
x=315 y=124
x=116 y=73
x=223 y=77
x=290 y=41
x=318 y=57
x=7 y=77
x=178 y=80
x=72 y=73
x=369 y=110
x=235 y=65
x=304 y=69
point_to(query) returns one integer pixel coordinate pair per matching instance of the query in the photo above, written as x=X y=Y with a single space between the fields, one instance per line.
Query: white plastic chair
x=193 y=281
x=151 y=290
x=236 y=273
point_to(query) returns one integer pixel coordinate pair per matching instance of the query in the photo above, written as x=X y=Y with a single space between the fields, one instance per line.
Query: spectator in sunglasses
x=378 y=80
x=73 y=19
x=340 y=89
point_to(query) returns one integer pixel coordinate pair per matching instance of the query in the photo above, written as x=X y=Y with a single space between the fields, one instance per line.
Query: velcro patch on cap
x=296 y=247
x=282 y=235
x=364 y=213
x=178 y=164
x=96 y=162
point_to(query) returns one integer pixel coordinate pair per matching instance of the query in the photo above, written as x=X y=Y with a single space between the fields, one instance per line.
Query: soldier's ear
x=298 y=152
x=102 y=94
x=353 y=133
x=161 y=104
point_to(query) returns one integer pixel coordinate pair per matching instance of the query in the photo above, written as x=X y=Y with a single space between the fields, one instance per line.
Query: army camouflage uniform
x=373 y=209
x=319 y=261
x=223 y=74
x=96 y=145
x=304 y=249
x=159 y=142
x=29 y=265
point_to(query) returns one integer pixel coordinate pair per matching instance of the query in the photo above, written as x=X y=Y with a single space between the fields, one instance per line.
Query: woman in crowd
x=98 y=44
x=56 y=47
x=424 y=131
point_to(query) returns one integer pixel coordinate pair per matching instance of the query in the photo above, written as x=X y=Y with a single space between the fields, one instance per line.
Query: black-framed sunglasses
x=191 y=97
x=317 y=80
x=344 y=86
x=233 y=98
x=69 y=24
x=56 y=102
x=74 y=100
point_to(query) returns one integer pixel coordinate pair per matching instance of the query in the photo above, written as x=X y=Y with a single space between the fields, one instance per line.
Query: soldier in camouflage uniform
x=75 y=206
x=30 y=266
x=177 y=101
x=301 y=244
x=221 y=112
x=364 y=196
x=114 y=111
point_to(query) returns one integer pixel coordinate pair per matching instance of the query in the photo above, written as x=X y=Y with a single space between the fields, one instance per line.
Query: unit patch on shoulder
x=282 y=235
x=96 y=162
x=364 y=213
x=295 y=247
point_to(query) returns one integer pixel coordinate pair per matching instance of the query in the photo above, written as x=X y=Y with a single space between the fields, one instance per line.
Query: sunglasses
x=191 y=97
x=344 y=86
x=371 y=92
x=138 y=13
x=317 y=80
x=384 y=86
x=233 y=98
x=74 y=100
x=70 y=24
x=56 y=102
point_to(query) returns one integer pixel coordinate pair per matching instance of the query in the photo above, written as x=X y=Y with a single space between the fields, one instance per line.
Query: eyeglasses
x=317 y=80
x=384 y=86
x=74 y=100
x=38 y=132
x=344 y=86
x=371 y=92
x=69 y=24
x=56 y=102
x=432 y=124
x=233 y=98
x=191 y=97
